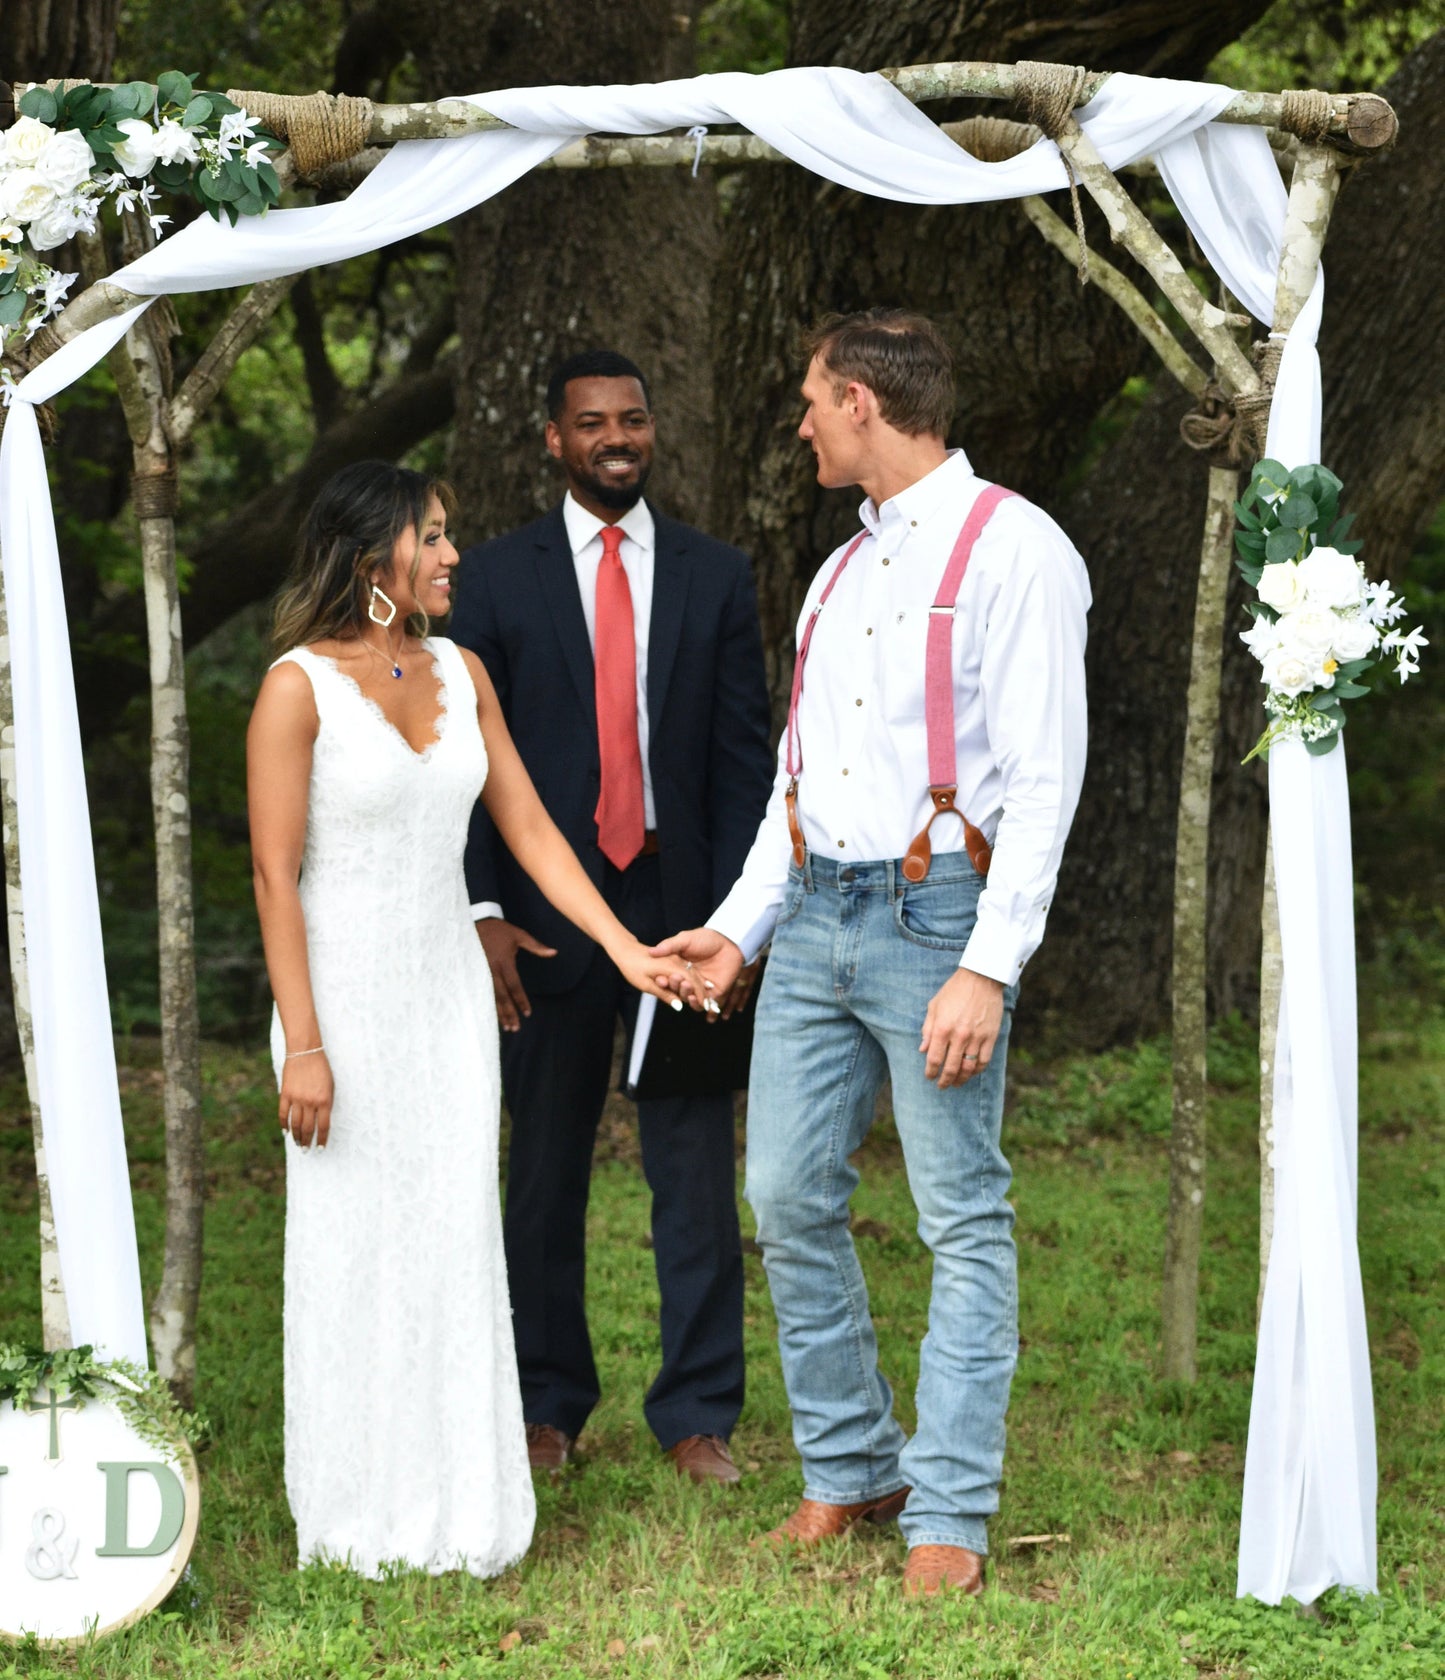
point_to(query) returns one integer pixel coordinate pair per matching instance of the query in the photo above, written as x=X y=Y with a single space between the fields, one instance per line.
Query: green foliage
x=140 y=1396
x=742 y=35
x=1340 y=45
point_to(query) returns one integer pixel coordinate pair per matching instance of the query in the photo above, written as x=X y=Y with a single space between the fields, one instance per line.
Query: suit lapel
x=669 y=599
x=557 y=576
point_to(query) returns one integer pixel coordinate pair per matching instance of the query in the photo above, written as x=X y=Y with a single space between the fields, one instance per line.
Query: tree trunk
x=1188 y=1133
x=44 y=38
x=564 y=262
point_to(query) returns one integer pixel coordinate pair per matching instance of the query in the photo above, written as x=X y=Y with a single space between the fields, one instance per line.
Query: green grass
x=633 y=1573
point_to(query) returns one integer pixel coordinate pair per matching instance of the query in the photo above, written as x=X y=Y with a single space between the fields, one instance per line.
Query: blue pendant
x=396 y=670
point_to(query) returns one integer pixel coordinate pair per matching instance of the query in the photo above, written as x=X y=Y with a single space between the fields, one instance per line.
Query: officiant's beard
x=617 y=497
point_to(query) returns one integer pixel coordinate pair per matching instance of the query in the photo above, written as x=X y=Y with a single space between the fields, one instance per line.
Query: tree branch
x=236 y=334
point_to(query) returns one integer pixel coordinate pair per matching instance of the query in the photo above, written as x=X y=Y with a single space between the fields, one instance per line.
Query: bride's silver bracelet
x=319 y=1049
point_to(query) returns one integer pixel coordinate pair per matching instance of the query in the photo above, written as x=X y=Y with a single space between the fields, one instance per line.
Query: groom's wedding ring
x=970 y=1058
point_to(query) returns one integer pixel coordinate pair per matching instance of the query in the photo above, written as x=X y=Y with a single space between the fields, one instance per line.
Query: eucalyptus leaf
x=1318 y=749
x=12 y=307
x=40 y=103
x=173 y=88
x=1298 y=511
x=1350 y=690
x=270 y=180
x=1248 y=519
x=1353 y=667
x=1340 y=530
x=1283 y=544
x=133 y=99
x=1269 y=478
x=172 y=177
x=1325 y=701
x=222 y=106
x=1349 y=547
x=1261 y=609
x=197 y=112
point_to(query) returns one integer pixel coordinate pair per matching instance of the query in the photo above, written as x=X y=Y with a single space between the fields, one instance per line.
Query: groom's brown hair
x=901 y=357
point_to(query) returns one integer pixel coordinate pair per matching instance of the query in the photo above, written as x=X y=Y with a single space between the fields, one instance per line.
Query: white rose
x=24 y=141
x=1281 y=586
x=63 y=220
x=1287 y=673
x=1308 y=633
x=1261 y=638
x=174 y=144
x=65 y=161
x=1332 y=579
x=24 y=196
x=136 y=154
x=1354 y=639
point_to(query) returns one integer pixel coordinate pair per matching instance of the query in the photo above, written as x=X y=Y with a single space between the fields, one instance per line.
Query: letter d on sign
x=117 y=1510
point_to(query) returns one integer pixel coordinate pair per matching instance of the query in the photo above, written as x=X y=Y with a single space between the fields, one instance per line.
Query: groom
x=627 y=657
x=927 y=780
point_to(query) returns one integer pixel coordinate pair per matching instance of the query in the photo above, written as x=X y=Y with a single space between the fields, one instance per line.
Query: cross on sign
x=55 y=1406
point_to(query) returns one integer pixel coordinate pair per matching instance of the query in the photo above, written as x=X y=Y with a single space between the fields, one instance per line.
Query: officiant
x=626 y=652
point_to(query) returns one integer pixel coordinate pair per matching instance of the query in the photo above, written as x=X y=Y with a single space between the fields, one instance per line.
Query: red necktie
x=620 y=822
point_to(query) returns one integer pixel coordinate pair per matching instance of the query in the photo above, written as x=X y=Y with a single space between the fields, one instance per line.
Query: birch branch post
x=1188 y=1131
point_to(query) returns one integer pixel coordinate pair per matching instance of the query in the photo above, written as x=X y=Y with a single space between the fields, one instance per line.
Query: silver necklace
x=394 y=660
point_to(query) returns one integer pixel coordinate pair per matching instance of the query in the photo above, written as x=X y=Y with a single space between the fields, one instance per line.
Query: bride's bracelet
x=317 y=1051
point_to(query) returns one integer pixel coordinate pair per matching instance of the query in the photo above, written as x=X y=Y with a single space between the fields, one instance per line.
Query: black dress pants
x=555 y=1074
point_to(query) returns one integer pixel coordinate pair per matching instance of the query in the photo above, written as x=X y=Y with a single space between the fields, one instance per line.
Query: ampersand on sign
x=49 y=1557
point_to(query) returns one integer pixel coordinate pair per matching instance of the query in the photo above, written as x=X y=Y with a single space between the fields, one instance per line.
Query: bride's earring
x=378 y=595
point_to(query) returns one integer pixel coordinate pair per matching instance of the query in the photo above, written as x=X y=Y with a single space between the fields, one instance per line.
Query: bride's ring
x=686 y=966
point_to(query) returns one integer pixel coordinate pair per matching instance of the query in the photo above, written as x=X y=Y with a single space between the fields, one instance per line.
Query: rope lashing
x=321 y=128
x=1306 y=112
x=1232 y=430
x=1047 y=94
x=992 y=139
x=155 y=495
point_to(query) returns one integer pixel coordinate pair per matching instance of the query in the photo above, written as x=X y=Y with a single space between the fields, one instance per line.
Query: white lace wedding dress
x=404 y=1433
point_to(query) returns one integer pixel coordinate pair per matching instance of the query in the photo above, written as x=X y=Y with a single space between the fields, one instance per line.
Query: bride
x=369 y=744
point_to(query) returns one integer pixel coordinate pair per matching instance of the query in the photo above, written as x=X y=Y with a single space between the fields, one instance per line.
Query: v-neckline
x=443 y=698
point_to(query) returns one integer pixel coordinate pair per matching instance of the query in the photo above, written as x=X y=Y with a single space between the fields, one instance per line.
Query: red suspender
x=938 y=699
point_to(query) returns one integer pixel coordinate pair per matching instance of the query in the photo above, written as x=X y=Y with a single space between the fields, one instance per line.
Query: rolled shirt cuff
x=996 y=951
x=749 y=937
x=486 y=911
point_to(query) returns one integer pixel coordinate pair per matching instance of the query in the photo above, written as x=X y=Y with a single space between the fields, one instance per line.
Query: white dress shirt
x=1019 y=712
x=637 y=553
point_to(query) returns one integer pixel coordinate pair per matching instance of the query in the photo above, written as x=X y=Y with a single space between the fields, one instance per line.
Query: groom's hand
x=501 y=941
x=710 y=965
x=961 y=1028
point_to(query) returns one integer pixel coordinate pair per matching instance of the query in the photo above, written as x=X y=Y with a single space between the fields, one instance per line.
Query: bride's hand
x=646 y=972
x=307 y=1090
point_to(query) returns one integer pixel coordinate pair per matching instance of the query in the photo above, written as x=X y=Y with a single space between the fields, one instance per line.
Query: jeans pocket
x=938 y=914
x=792 y=901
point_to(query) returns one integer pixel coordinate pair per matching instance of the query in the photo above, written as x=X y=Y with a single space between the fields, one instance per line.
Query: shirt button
x=845 y=773
x=870 y=630
x=841 y=844
x=913 y=523
x=885 y=559
x=857 y=702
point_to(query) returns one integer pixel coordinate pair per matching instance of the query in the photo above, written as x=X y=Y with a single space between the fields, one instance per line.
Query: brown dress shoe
x=931 y=1570
x=705 y=1458
x=548 y=1448
x=814 y=1521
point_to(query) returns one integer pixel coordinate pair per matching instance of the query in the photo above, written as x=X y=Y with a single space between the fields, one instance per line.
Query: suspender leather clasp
x=920 y=850
x=795 y=828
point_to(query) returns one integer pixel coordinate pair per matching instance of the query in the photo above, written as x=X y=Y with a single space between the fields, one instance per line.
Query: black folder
x=689 y=1054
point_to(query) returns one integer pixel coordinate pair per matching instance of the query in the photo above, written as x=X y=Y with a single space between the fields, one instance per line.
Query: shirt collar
x=584 y=527
x=919 y=502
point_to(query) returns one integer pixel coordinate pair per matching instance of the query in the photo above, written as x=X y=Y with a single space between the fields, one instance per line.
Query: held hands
x=640 y=968
x=501 y=941
x=961 y=1028
x=713 y=966
x=307 y=1089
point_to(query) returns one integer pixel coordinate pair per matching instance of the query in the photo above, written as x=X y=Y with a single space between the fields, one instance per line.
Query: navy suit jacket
x=518 y=608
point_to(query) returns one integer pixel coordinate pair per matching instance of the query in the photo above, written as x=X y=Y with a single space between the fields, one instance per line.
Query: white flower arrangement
x=69 y=153
x=1319 y=623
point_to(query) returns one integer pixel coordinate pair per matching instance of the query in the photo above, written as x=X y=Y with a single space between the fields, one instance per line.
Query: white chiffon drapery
x=1309 y=1493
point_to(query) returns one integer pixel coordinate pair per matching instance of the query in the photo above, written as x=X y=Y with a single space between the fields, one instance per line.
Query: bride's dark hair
x=348 y=537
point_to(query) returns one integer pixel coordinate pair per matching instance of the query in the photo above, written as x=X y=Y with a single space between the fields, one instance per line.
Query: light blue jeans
x=857 y=955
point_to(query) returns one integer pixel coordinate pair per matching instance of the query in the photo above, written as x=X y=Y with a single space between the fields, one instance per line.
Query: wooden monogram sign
x=96 y=1522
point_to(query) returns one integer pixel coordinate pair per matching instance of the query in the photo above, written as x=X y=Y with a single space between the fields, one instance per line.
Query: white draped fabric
x=1309 y=1496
